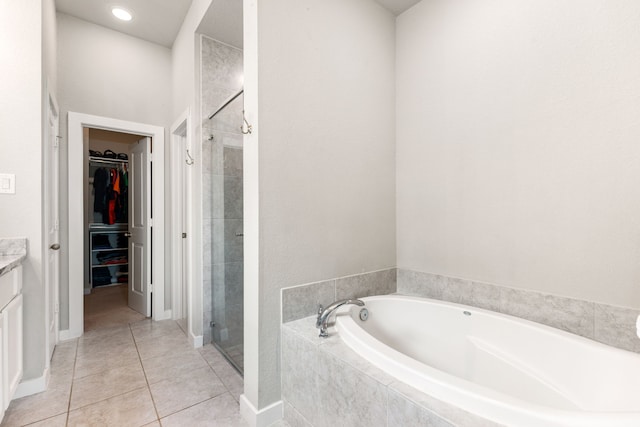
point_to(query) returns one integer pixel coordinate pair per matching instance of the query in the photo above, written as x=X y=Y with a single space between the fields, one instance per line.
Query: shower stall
x=222 y=109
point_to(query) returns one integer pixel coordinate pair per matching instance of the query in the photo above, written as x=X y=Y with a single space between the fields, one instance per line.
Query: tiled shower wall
x=221 y=78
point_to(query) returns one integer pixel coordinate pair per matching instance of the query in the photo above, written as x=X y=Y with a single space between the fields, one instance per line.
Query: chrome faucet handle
x=322 y=322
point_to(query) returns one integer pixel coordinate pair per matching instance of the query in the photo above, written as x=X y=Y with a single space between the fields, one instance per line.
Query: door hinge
x=184 y=235
x=150 y=222
x=56 y=225
x=56 y=308
x=150 y=157
x=56 y=141
x=151 y=287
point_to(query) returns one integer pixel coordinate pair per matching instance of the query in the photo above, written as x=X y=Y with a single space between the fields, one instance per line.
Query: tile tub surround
x=302 y=300
x=12 y=252
x=364 y=394
x=614 y=326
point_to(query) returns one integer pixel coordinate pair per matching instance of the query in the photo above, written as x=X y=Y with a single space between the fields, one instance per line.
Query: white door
x=184 y=203
x=52 y=224
x=140 y=227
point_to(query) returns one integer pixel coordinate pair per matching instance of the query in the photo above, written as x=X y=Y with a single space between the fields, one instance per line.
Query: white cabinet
x=11 y=350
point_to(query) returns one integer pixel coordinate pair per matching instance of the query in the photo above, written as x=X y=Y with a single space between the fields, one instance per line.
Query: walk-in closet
x=107 y=260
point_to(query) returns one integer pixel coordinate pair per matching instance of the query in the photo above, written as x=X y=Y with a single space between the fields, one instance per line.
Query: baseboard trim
x=196 y=340
x=68 y=334
x=33 y=386
x=262 y=418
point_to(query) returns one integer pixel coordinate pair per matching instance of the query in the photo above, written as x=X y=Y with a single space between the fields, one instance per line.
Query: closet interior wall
x=104 y=242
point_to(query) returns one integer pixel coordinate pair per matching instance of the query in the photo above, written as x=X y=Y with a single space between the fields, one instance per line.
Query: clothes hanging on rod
x=111 y=192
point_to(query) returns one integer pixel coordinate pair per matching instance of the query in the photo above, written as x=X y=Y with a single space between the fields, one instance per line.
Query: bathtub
x=507 y=370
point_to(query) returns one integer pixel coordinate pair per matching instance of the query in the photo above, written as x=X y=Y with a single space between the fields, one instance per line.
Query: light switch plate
x=7 y=183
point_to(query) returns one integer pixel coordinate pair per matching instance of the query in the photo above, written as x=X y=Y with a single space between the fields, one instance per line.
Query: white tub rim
x=478 y=397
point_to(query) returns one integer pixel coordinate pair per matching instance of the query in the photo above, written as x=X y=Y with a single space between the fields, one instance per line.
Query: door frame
x=180 y=214
x=76 y=123
x=52 y=291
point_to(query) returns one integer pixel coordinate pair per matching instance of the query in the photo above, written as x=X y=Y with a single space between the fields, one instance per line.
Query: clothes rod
x=226 y=103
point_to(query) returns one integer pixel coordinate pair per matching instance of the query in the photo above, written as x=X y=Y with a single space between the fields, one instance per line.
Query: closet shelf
x=107 y=250
x=109 y=265
x=104 y=160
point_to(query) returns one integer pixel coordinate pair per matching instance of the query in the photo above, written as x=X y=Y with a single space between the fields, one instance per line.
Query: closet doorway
x=116 y=242
x=102 y=225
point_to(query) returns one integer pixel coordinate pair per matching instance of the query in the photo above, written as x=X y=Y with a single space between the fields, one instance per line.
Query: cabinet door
x=12 y=348
x=3 y=357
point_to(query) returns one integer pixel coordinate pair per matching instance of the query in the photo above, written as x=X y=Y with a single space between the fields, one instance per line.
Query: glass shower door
x=227 y=258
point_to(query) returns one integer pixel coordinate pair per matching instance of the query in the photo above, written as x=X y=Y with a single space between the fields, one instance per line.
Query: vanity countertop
x=12 y=252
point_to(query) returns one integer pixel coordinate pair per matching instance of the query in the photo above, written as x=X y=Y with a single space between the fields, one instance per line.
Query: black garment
x=122 y=214
x=100 y=181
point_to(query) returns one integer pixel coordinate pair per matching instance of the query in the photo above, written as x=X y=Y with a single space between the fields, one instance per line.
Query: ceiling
x=397 y=6
x=159 y=21
x=156 y=21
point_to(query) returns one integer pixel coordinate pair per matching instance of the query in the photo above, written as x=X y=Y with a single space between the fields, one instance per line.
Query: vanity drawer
x=10 y=285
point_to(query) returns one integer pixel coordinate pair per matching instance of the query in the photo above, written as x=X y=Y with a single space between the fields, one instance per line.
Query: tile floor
x=139 y=374
x=107 y=306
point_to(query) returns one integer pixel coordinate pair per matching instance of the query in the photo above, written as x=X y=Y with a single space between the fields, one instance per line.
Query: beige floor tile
x=169 y=344
x=133 y=409
x=163 y=367
x=149 y=329
x=229 y=377
x=121 y=337
x=61 y=381
x=180 y=392
x=102 y=332
x=121 y=316
x=57 y=421
x=64 y=357
x=153 y=424
x=95 y=362
x=213 y=412
x=235 y=421
x=95 y=388
x=183 y=325
x=212 y=356
x=107 y=307
x=37 y=407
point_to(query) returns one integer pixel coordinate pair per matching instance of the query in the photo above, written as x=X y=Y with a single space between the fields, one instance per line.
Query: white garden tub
x=505 y=369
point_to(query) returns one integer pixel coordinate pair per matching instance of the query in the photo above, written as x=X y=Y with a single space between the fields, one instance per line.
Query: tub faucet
x=325 y=313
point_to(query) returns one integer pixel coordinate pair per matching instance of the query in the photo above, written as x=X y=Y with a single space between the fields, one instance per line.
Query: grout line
x=155 y=408
x=198 y=403
x=73 y=374
x=44 y=419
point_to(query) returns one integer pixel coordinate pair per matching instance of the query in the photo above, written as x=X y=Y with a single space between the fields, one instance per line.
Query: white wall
x=325 y=142
x=110 y=74
x=184 y=59
x=26 y=46
x=185 y=63
x=517 y=144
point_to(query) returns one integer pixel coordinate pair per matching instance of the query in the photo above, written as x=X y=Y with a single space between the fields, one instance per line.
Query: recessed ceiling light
x=121 y=13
